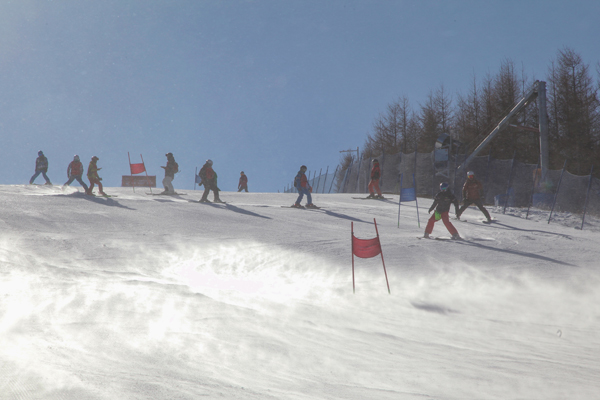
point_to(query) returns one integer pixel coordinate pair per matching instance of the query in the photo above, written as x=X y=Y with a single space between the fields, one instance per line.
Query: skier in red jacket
x=374 y=183
x=301 y=183
x=472 y=194
x=209 y=180
x=75 y=171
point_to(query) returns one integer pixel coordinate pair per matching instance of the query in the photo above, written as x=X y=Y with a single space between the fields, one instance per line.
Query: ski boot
x=456 y=236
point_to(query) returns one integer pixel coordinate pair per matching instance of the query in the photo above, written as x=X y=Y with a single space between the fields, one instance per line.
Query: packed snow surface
x=160 y=297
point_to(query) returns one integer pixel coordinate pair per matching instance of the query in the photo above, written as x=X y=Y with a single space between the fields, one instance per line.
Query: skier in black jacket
x=41 y=167
x=441 y=204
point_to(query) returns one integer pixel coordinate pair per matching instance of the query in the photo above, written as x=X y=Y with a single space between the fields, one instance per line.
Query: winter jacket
x=375 y=171
x=41 y=163
x=75 y=168
x=207 y=173
x=171 y=168
x=472 y=189
x=300 y=181
x=442 y=201
x=243 y=181
x=93 y=171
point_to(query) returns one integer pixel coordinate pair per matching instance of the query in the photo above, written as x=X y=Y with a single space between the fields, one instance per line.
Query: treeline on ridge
x=573 y=109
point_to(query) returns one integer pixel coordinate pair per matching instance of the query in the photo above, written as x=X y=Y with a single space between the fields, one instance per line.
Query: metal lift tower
x=537 y=91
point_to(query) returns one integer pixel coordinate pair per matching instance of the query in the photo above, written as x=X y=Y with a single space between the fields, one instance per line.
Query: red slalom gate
x=367 y=248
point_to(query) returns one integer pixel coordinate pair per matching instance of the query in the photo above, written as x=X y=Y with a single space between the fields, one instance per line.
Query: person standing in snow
x=243 y=184
x=170 y=170
x=472 y=194
x=441 y=204
x=374 y=182
x=93 y=177
x=209 y=180
x=41 y=167
x=75 y=172
x=301 y=183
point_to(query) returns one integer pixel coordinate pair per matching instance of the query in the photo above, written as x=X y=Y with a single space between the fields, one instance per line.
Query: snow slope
x=155 y=297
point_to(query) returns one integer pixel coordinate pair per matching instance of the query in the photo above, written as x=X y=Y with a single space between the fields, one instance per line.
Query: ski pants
x=97 y=182
x=374 y=186
x=479 y=205
x=446 y=222
x=37 y=173
x=304 y=191
x=245 y=187
x=78 y=178
x=207 y=188
x=168 y=185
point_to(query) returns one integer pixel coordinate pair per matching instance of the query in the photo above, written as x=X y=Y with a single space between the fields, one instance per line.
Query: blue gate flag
x=408 y=194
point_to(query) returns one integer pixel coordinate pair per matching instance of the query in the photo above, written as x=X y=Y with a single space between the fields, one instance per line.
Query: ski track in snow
x=144 y=297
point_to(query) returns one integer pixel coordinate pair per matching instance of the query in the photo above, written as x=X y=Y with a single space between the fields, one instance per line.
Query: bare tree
x=573 y=101
x=467 y=120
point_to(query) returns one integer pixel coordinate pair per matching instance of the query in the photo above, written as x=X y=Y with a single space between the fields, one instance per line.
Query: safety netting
x=507 y=183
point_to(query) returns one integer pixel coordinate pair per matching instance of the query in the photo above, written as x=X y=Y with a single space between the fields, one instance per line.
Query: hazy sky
x=259 y=86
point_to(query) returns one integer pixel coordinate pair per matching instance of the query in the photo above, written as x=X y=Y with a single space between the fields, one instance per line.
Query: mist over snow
x=156 y=297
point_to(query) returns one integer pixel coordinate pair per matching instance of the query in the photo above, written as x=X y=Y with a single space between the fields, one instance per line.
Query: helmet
x=470 y=173
x=242 y=173
x=169 y=154
x=209 y=162
x=40 y=153
x=303 y=168
x=376 y=161
x=444 y=186
x=95 y=158
x=76 y=158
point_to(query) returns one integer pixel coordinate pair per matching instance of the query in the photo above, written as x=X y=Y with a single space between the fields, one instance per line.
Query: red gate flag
x=137 y=168
x=367 y=248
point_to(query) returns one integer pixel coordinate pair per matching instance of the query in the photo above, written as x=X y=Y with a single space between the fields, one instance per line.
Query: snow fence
x=507 y=183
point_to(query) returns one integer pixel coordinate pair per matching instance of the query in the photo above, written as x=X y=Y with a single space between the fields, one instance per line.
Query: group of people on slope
x=208 y=178
x=301 y=184
x=472 y=194
x=74 y=172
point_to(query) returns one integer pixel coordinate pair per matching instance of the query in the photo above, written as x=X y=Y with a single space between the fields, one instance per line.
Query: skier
x=93 y=177
x=472 y=194
x=41 y=167
x=301 y=183
x=243 y=184
x=170 y=170
x=441 y=204
x=374 y=183
x=209 y=180
x=74 y=172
